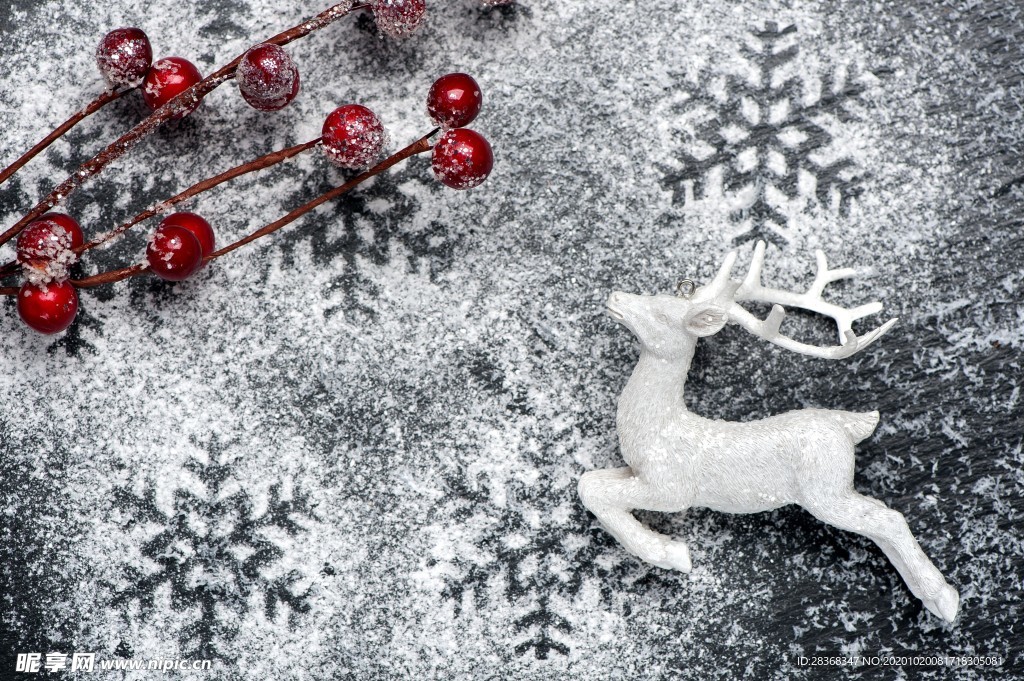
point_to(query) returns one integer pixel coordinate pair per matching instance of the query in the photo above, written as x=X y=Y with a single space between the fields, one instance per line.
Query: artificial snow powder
x=350 y=450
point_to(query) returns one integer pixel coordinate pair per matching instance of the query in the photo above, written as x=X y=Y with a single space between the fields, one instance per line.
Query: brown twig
x=418 y=147
x=184 y=101
x=92 y=107
x=110 y=277
x=93 y=281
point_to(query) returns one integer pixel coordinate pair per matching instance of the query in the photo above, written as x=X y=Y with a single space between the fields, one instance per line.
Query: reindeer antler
x=752 y=289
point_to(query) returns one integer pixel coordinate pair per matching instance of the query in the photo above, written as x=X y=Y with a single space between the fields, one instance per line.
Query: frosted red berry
x=454 y=100
x=48 y=239
x=398 y=18
x=49 y=308
x=462 y=158
x=268 y=77
x=68 y=223
x=353 y=136
x=168 y=78
x=199 y=227
x=174 y=253
x=124 y=56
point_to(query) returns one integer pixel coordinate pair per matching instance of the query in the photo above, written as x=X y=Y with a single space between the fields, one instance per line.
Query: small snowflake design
x=762 y=141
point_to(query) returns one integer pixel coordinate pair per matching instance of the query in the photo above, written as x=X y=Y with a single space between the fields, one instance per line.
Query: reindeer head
x=669 y=326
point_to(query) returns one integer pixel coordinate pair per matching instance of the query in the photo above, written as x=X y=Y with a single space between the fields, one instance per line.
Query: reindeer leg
x=889 y=529
x=611 y=495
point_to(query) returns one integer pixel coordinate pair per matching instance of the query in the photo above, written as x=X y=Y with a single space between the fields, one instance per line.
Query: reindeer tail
x=857 y=425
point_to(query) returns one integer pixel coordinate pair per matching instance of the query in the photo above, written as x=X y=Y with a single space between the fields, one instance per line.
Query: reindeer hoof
x=675 y=556
x=944 y=604
x=678 y=556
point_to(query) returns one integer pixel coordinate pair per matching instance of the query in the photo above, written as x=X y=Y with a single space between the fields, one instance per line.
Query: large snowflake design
x=534 y=553
x=534 y=569
x=213 y=551
x=761 y=142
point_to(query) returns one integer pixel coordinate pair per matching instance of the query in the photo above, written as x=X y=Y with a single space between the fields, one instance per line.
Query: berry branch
x=352 y=138
x=123 y=57
x=109 y=277
x=179 y=105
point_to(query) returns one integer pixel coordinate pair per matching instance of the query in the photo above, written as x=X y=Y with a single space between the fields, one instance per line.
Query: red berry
x=174 y=253
x=124 y=56
x=49 y=308
x=44 y=241
x=68 y=223
x=167 y=79
x=44 y=247
x=268 y=78
x=462 y=158
x=199 y=227
x=398 y=18
x=353 y=136
x=454 y=100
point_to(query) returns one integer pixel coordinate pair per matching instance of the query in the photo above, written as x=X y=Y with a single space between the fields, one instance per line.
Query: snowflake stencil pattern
x=213 y=552
x=523 y=565
x=763 y=144
x=536 y=552
x=527 y=578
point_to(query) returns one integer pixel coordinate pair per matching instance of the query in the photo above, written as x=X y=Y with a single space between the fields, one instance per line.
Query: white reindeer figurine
x=678 y=460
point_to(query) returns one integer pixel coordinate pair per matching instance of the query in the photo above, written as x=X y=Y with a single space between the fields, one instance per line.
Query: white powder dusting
x=429 y=371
